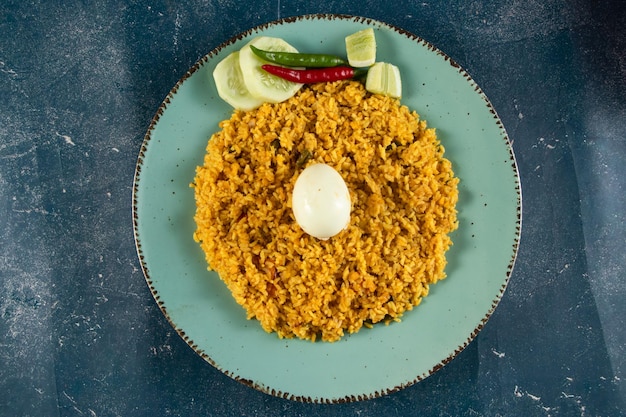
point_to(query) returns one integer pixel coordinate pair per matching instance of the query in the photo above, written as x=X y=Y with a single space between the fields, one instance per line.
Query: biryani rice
x=403 y=194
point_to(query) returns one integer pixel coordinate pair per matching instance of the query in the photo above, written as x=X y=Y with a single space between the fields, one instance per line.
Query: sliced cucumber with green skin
x=261 y=84
x=231 y=86
x=384 y=78
x=361 y=48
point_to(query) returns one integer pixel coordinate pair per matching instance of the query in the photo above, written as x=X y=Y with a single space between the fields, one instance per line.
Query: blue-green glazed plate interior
x=372 y=362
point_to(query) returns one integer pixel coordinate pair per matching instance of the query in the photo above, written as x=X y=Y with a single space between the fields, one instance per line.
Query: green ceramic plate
x=376 y=361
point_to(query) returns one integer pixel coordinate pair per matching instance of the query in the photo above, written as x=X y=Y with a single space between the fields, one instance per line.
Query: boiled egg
x=321 y=201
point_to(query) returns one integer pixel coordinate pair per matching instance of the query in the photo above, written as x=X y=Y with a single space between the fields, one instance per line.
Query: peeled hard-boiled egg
x=321 y=201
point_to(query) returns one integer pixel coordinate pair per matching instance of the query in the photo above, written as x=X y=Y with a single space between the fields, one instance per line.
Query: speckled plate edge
x=138 y=241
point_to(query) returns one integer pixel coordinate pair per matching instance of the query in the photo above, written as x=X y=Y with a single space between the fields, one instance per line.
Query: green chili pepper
x=303 y=158
x=295 y=59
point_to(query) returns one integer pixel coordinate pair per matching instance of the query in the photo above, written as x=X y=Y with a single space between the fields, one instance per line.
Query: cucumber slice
x=230 y=85
x=361 y=48
x=384 y=78
x=261 y=84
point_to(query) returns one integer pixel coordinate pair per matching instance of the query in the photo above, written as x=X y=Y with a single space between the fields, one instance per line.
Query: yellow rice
x=403 y=195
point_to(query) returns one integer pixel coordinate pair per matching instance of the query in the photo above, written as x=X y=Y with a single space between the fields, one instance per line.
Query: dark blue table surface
x=80 y=334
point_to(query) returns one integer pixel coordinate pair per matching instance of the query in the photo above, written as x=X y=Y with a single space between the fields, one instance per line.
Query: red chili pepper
x=316 y=75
